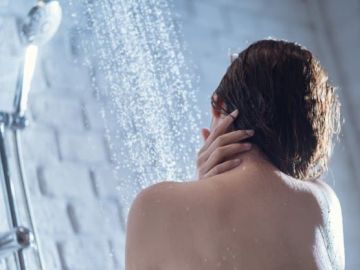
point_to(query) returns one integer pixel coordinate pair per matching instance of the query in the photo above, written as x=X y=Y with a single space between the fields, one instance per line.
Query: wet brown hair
x=284 y=94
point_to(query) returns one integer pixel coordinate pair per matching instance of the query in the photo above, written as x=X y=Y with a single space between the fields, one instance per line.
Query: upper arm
x=144 y=247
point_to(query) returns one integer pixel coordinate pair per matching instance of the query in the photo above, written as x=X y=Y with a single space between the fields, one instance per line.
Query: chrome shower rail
x=12 y=208
x=18 y=238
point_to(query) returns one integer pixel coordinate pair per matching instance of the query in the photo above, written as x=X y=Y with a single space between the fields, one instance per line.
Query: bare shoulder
x=327 y=199
x=329 y=192
x=183 y=206
x=331 y=229
x=315 y=195
x=165 y=213
x=168 y=194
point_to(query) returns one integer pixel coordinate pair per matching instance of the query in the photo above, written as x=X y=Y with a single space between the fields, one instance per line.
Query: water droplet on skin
x=187 y=208
x=224 y=258
x=233 y=230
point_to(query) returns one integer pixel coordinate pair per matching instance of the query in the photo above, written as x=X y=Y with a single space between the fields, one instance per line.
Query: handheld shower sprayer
x=40 y=25
x=42 y=22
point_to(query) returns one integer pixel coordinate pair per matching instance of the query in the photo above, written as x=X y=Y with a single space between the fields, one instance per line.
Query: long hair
x=284 y=94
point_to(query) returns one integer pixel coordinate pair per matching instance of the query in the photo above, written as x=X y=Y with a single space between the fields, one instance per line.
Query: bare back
x=255 y=220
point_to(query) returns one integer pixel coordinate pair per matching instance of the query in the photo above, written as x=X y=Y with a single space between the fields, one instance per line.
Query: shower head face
x=41 y=23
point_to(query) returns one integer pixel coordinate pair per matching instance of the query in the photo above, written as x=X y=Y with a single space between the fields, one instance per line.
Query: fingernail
x=247 y=145
x=250 y=132
x=235 y=113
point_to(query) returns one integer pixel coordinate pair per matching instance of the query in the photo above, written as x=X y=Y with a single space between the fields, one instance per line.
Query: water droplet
x=151 y=111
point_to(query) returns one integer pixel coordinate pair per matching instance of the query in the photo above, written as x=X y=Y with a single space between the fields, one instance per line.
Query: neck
x=254 y=160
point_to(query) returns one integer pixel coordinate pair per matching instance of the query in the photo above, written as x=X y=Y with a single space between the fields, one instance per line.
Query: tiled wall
x=68 y=163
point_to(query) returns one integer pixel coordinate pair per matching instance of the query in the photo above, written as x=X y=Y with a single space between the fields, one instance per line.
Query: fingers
x=220 y=129
x=221 y=153
x=223 y=167
x=205 y=133
x=227 y=138
x=220 y=147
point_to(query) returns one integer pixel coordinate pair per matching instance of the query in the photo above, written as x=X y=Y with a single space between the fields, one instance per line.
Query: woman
x=260 y=203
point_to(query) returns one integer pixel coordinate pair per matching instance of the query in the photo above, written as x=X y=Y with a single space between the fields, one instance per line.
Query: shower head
x=39 y=27
x=41 y=23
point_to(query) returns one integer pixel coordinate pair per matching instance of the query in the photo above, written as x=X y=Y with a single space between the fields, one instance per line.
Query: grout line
x=73 y=219
x=60 y=250
x=94 y=183
x=44 y=190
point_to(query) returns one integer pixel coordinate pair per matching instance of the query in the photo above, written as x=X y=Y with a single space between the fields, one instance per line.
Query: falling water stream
x=138 y=67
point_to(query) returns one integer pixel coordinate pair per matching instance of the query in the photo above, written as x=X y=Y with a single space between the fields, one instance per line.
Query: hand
x=219 y=147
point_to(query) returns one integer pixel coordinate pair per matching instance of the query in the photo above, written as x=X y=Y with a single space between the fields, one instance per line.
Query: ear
x=219 y=103
x=205 y=133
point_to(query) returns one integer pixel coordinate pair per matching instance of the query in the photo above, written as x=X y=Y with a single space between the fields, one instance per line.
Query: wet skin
x=251 y=216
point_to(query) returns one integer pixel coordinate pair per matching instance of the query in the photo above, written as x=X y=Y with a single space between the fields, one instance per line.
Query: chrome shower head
x=42 y=22
x=39 y=27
